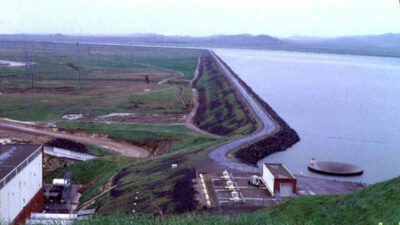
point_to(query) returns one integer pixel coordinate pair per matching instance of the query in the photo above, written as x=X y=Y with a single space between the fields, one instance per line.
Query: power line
x=28 y=63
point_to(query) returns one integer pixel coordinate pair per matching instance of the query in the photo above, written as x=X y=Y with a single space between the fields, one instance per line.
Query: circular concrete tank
x=335 y=168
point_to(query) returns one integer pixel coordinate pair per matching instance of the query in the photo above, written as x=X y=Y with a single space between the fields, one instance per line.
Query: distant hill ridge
x=373 y=45
x=156 y=38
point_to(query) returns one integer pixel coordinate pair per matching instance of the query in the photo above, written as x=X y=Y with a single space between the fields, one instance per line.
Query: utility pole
x=28 y=64
x=89 y=51
x=116 y=58
x=131 y=60
x=30 y=69
x=77 y=58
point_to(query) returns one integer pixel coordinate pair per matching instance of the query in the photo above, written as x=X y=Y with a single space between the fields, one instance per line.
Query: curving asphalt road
x=218 y=155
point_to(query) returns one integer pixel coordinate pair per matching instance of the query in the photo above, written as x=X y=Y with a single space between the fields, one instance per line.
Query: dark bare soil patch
x=51 y=163
x=155 y=146
x=115 y=193
x=184 y=193
x=178 y=81
x=67 y=144
x=41 y=90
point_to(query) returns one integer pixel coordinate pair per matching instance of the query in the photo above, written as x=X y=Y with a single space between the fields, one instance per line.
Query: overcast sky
x=201 y=17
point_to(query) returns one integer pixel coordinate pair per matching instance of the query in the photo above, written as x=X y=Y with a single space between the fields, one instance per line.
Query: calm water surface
x=345 y=108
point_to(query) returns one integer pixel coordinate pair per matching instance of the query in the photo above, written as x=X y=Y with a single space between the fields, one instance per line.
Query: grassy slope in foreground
x=375 y=204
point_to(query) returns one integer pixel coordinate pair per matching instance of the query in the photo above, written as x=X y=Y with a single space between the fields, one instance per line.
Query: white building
x=21 y=182
x=278 y=180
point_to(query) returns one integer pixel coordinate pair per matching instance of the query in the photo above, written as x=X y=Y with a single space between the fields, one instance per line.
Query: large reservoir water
x=345 y=108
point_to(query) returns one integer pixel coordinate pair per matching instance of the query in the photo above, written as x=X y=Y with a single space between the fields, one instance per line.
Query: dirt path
x=172 y=78
x=189 y=117
x=119 y=147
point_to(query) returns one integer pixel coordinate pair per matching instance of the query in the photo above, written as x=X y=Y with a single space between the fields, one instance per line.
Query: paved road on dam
x=218 y=155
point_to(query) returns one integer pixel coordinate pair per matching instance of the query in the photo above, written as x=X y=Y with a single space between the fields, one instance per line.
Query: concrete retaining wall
x=65 y=153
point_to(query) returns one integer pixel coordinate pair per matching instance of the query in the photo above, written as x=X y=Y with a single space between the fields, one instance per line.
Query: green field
x=52 y=106
x=95 y=61
x=93 y=80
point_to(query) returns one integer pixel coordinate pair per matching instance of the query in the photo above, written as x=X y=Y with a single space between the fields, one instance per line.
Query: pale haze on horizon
x=282 y=18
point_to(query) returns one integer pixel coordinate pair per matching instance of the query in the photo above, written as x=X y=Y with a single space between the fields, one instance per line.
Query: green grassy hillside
x=221 y=110
x=93 y=174
x=175 y=144
x=379 y=203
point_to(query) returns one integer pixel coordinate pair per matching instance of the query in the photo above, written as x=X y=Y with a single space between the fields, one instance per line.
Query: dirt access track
x=122 y=148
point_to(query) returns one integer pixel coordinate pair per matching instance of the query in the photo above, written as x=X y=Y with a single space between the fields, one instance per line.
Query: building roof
x=11 y=155
x=278 y=170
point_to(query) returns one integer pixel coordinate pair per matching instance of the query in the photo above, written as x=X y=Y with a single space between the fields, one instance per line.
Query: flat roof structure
x=21 y=181
x=278 y=170
x=13 y=155
x=278 y=180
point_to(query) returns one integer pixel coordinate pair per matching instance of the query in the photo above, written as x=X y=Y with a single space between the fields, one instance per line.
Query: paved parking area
x=220 y=188
x=233 y=189
x=318 y=186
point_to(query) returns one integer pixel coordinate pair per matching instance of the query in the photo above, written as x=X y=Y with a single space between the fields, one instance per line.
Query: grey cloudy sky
x=201 y=17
